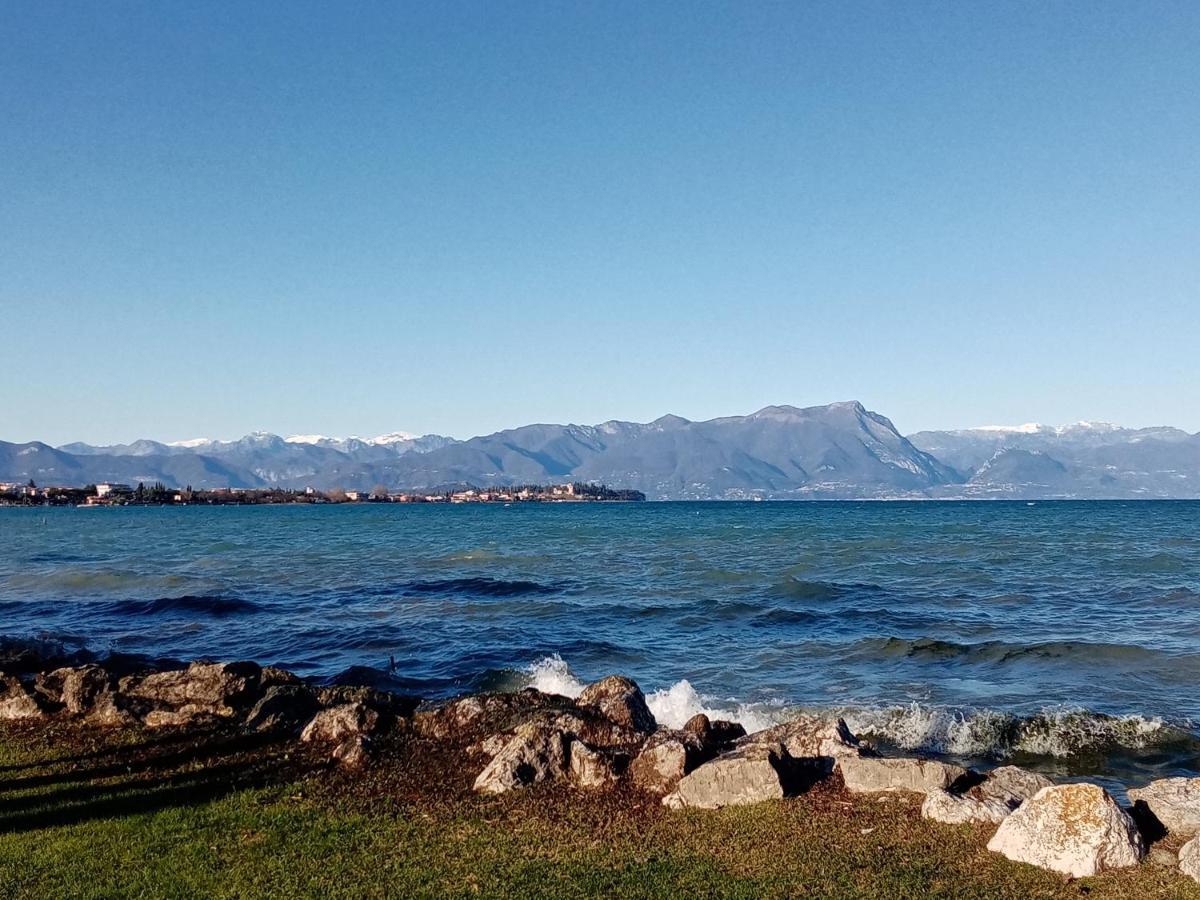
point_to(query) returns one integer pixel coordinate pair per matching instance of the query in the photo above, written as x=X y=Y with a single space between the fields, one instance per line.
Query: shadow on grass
x=184 y=769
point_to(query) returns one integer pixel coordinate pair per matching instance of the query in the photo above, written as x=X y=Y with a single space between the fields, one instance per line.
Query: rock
x=201 y=690
x=536 y=752
x=866 y=774
x=723 y=734
x=1174 y=802
x=489 y=746
x=956 y=809
x=1010 y=785
x=352 y=753
x=75 y=689
x=15 y=701
x=1165 y=857
x=474 y=717
x=621 y=700
x=749 y=774
x=1075 y=829
x=589 y=768
x=283 y=707
x=698 y=724
x=820 y=740
x=1189 y=859
x=665 y=758
x=340 y=723
x=106 y=712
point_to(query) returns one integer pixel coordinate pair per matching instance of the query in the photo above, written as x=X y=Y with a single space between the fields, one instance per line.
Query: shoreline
x=603 y=747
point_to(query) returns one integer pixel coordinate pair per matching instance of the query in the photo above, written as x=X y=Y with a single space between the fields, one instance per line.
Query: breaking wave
x=1060 y=733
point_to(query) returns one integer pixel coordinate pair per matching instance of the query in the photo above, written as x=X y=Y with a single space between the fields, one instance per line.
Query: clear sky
x=357 y=218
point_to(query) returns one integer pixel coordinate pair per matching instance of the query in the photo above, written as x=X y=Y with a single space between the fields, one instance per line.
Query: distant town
x=158 y=494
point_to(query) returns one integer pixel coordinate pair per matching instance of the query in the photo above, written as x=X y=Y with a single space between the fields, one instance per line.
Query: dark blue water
x=970 y=628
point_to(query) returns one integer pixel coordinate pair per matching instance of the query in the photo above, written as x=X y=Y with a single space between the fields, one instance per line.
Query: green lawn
x=117 y=815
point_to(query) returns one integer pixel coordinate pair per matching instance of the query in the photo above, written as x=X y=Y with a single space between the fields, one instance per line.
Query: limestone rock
x=340 y=723
x=957 y=809
x=665 y=758
x=352 y=753
x=621 y=700
x=1189 y=859
x=1174 y=802
x=489 y=746
x=1011 y=785
x=1075 y=829
x=202 y=689
x=476 y=716
x=15 y=701
x=536 y=752
x=283 y=707
x=589 y=768
x=749 y=774
x=867 y=774
x=81 y=688
x=820 y=740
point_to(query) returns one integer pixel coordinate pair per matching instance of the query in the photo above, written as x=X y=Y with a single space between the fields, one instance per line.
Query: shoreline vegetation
x=132 y=777
x=158 y=494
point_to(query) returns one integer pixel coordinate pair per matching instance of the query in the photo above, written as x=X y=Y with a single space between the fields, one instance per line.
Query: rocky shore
x=607 y=741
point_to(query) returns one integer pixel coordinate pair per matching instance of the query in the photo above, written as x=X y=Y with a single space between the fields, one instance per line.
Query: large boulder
x=1174 y=802
x=1189 y=859
x=958 y=809
x=621 y=700
x=817 y=740
x=536 y=752
x=748 y=774
x=1075 y=829
x=16 y=702
x=202 y=690
x=869 y=774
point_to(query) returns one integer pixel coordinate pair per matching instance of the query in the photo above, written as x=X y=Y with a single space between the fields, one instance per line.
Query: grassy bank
x=216 y=814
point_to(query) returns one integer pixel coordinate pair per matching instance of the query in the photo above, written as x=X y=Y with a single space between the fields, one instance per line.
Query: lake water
x=1062 y=634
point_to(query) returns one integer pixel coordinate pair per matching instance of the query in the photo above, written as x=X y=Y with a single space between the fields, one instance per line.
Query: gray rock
x=751 y=773
x=665 y=758
x=1175 y=802
x=956 y=809
x=1189 y=859
x=202 y=690
x=352 y=753
x=866 y=774
x=283 y=707
x=340 y=723
x=589 y=768
x=1009 y=785
x=15 y=701
x=822 y=741
x=536 y=752
x=1076 y=829
x=620 y=700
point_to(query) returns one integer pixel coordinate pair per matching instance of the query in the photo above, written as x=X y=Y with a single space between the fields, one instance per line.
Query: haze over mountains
x=837 y=451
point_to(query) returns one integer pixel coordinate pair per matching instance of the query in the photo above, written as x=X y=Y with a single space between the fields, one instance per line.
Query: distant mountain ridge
x=838 y=451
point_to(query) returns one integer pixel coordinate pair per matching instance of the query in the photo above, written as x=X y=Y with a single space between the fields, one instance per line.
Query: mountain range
x=841 y=450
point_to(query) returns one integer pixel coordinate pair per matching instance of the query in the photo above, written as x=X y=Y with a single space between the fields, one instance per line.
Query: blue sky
x=351 y=219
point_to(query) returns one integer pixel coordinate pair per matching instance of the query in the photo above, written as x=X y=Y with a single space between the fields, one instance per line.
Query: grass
x=127 y=814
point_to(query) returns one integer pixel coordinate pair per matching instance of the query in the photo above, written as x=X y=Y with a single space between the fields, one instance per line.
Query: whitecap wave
x=971 y=733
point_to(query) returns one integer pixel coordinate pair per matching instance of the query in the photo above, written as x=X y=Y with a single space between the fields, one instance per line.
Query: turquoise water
x=1065 y=631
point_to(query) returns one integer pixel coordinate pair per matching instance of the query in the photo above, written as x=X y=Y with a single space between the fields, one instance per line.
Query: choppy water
x=1065 y=633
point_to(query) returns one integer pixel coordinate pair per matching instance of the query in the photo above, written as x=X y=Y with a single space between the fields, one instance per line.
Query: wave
x=968 y=733
x=1005 y=652
x=198 y=604
x=481 y=587
x=1059 y=732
